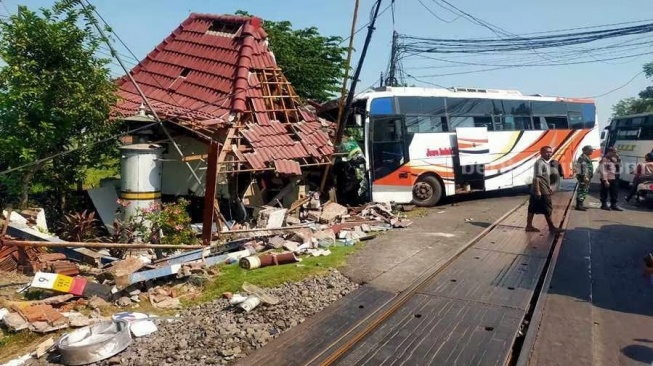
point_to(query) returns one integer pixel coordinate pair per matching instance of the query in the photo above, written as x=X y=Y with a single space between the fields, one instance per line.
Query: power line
x=83 y=146
x=619 y=87
x=525 y=63
x=434 y=14
x=533 y=65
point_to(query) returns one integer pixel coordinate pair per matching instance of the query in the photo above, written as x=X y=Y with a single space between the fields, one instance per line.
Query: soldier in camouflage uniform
x=584 y=172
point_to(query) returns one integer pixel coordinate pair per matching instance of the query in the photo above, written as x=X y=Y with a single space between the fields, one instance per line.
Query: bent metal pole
x=70 y=244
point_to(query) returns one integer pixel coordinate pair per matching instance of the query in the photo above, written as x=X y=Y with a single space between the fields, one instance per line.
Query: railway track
x=478 y=308
x=442 y=320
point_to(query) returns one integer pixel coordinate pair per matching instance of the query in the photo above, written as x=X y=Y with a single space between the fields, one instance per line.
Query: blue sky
x=143 y=24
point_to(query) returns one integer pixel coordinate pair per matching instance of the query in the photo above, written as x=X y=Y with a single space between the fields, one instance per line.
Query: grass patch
x=13 y=345
x=231 y=276
x=417 y=212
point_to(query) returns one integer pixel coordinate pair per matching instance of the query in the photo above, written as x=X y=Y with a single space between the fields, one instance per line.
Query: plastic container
x=249 y=304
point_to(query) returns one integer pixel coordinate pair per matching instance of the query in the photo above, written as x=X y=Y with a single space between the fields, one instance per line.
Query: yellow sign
x=63 y=283
x=624 y=147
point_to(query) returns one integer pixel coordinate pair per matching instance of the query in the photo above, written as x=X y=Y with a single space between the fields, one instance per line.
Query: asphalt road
x=599 y=307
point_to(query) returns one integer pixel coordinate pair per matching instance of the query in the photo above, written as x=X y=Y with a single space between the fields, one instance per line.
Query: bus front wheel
x=427 y=191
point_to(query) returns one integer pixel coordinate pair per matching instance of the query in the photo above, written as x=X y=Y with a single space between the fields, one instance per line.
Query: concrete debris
x=15 y=322
x=276 y=242
x=295 y=223
x=331 y=212
x=271 y=217
x=124 y=301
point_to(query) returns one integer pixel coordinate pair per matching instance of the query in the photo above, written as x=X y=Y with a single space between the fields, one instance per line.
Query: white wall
x=176 y=177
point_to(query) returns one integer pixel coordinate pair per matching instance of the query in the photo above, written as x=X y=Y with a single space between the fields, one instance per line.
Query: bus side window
x=539 y=123
x=647 y=129
x=576 y=121
x=557 y=123
x=512 y=123
x=416 y=124
x=484 y=122
x=455 y=122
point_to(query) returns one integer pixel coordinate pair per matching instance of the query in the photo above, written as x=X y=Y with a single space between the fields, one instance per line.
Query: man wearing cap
x=609 y=185
x=584 y=171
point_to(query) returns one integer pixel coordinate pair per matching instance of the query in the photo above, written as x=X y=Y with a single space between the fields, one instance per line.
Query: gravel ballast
x=217 y=333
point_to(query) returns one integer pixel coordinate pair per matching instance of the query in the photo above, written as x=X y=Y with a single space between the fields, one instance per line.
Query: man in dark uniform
x=540 y=201
x=609 y=170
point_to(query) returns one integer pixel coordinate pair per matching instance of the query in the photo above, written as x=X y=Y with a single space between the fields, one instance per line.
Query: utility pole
x=394 y=55
x=350 y=97
x=341 y=101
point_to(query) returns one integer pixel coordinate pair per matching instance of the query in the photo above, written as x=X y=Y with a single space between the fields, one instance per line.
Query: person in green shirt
x=584 y=173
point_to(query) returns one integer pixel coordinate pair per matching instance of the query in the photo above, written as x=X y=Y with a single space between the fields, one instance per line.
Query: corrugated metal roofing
x=205 y=71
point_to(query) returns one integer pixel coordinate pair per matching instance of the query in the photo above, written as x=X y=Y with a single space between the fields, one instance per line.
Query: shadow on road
x=638 y=353
x=480 y=224
x=512 y=192
x=605 y=267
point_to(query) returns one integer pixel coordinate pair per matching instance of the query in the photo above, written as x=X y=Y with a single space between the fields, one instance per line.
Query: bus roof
x=457 y=92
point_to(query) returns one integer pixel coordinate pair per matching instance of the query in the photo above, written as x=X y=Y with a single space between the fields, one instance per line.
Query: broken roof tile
x=289 y=167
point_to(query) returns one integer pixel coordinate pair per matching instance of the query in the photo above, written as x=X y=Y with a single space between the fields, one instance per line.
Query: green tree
x=313 y=63
x=55 y=96
x=641 y=104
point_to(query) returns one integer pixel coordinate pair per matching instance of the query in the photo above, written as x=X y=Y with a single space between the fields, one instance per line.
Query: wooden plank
x=432 y=330
x=308 y=339
x=489 y=277
x=194 y=157
x=209 y=194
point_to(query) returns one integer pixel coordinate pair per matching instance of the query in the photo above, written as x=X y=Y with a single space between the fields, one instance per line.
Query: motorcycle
x=644 y=193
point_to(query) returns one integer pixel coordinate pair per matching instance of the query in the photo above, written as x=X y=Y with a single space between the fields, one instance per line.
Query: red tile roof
x=214 y=67
x=289 y=167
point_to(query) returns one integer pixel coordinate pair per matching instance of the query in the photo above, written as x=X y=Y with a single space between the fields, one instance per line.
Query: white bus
x=422 y=144
x=632 y=136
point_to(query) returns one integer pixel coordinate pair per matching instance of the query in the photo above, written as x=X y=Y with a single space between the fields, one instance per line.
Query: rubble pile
x=79 y=286
x=218 y=333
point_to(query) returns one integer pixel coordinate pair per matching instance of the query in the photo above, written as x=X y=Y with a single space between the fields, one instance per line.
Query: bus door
x=390 y=175
x=473 y=152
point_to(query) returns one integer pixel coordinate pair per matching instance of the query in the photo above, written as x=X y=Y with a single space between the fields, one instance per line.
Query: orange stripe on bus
x=531 y=151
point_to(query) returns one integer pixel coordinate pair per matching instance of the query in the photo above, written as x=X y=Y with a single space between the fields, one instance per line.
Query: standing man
x=609 y=184
x=584 y=173
x=540 y=201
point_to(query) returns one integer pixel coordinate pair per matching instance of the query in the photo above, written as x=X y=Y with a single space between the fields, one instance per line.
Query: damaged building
x=216 y=86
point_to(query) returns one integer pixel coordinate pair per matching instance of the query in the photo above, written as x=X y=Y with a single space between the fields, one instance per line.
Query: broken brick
x=41 y=312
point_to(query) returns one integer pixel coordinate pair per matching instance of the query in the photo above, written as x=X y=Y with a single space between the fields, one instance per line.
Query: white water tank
x=140 y=176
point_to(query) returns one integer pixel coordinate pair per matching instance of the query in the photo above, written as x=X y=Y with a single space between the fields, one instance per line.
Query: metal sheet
x=94 y=343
